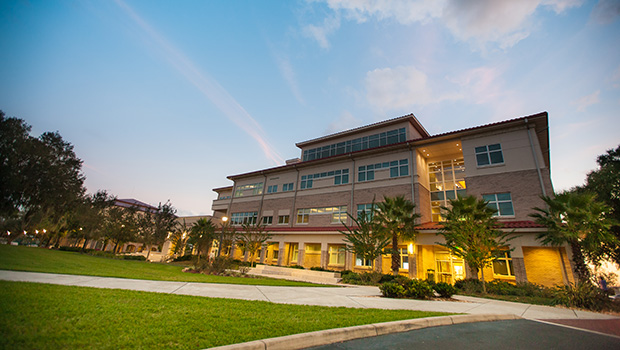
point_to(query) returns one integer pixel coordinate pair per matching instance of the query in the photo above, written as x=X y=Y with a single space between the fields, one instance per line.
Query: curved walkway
x=350 y=296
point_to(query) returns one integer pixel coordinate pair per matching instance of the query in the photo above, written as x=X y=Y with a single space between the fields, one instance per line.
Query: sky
x=164 y=99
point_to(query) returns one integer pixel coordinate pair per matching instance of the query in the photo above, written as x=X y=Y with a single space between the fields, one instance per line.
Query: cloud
x=400 y=87
x=480 y=85
x=320 y=32
x=287 y=71
x=615 y=77
x=606 y=11
x=208 y=86
x=344 y=122
x=478 y=22
x=587 y=101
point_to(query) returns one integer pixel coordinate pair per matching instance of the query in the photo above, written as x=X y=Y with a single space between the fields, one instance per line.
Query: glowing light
x=410 y=248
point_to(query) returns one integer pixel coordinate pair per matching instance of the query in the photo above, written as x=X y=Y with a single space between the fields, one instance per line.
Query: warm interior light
x=410 y=248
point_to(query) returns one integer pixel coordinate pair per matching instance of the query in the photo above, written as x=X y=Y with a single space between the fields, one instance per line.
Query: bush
x=500 y=287
x=371 y=278
x=70 y=249
x=418 y=289
x=392 y=290
x=297 y=267
x=469 y=286
x=387 y=278
x=183 y=258
x=134 y=257
x=351 y=277
x=583 y=295
x=318 y=268
x=444 y=289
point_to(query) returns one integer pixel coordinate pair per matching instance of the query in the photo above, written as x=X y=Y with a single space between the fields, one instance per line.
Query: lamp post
x=220 y=245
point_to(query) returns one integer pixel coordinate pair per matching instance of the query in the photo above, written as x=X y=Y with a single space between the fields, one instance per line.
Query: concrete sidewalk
x=351 y=296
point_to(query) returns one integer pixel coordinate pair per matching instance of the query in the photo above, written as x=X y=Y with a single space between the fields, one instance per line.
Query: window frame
x=496 y=202
x=486 y=154
x=507 y=259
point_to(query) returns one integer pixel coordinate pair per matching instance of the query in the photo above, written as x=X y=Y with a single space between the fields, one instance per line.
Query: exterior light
x=410 y=248
x=44 y=230
x=36 y=231
x=8 y=233
x=225 y=218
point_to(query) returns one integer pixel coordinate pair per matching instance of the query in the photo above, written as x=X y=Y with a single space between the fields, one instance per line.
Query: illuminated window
x=404 y=258
x=339 y=213
x=488 y=155
x=502 y=202
x=357 y=144
x=336 y=255
x=502 y=266
x=256 y=188
x=243 y=218
x=447 y=181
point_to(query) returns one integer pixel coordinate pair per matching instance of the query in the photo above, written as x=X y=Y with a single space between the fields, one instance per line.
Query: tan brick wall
x=543 y=266
x=244 y=206
x=363 y=196
x=423 y=202
x=323 y=200
x=523 y=186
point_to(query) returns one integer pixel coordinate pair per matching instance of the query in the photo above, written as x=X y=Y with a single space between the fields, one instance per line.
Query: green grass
x=21 y=258
x=44 y=316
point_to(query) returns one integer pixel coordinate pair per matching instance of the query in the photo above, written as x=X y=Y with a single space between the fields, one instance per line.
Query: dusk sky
x=164 y=99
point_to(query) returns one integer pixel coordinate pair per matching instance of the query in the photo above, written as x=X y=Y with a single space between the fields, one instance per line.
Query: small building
x=304 y=202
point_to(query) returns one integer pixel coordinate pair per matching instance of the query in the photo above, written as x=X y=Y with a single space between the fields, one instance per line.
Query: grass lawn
x=21 y=258
x=44 y=316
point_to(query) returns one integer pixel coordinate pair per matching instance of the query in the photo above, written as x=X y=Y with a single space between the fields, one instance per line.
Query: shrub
x=351 y=278
x=183 y=258
x=469 y=285
x=371 y=278
x=402 y=280
x=134 y=257
x=582 y=295
x=445 y=290
x=387 y=278
x=392 y=290
x=318 y=268
x=500 y=287
x=297 y=267
x=70 y=249
x=418 y=289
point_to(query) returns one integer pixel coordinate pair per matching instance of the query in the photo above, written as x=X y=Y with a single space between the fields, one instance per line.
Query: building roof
x=410 y=117
x=130 y=202
x=539 y=120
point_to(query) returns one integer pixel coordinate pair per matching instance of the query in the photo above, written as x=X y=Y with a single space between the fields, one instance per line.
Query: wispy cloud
x=321 y=31
x=287 y=71
x=587 y=101
x=478 y=22
x=401 y=87
x=208 y=86
x=344 y=122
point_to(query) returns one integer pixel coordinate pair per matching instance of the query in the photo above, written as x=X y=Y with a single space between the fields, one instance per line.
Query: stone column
x=379 y=264
x=281 y=253
x=348 y=260
x=324 y=255
x=518 y=264
x=263 y=252
x=301 y=248
x=413 y=265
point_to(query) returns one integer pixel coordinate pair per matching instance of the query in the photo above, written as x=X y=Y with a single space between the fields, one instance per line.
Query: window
x=358 y=144
x=267 y=220
x=272 y=189
x=340 y=177
x=243 y=218
x=283 y=219
x=404 y=258
x=288 y=187
x=363 y=262
x=488 y=155
x=224 y=196
x=256 y=188
x=397 y=168
x=276 y=252
x=336 y=255
x=295 y=252
x=447 y=181
x=502 y=202
x=339 y=213
x=365 y=209
x=502 y=266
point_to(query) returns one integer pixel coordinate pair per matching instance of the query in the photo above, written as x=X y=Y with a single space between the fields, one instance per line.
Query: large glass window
x=288 y=187
x=340 y=177
x=256 y=188
x=404 y=258
x=336 y=255
x=339 y=213
x=359 y=261
x=490 y=154
x=397 y=168
x=272 y=189
x=502 y=202
x=365 y=209
x=447 y=181
x=358 y=144
x=502 y=266
x=243 y=218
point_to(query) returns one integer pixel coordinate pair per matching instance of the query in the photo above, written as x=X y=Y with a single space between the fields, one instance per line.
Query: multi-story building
x=304 y=202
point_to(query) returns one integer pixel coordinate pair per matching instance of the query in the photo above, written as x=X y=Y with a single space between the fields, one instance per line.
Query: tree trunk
x=395 y=256
x=148 y=253
x=583 y=273
x=484 y=285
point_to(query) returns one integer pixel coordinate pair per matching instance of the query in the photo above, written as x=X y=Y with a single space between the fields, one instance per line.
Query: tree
x=396 y=218
x=251 y=238
x=471 y=233
x=201 y=236
x=227 y=235
x=40 y=178
x=179 y=238
x=365 y=240
x=605 y=183
x=155 y=225
x=582 y=222
x=121 y=226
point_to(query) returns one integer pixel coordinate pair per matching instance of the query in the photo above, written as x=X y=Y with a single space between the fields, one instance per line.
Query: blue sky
x=164 y=99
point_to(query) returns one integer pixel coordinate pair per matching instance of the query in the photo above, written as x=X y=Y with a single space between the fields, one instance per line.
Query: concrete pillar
x=348 y=260
x=281 y=253
x=301 y=253
x=413 y=265
x=379 y=264
x=324 y=255
x=518 y=264
x=262 y=253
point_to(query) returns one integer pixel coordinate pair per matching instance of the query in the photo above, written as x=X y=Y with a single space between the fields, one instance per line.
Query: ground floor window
x=502 y=266
x=363 y=262
x=404 y=258
x=294 y=252
x=336 y=255
x=449 y=268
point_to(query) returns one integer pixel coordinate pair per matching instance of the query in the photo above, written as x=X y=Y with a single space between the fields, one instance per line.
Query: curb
x=329 y=336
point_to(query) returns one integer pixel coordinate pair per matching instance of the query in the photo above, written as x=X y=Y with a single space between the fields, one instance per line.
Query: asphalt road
x=513 y=334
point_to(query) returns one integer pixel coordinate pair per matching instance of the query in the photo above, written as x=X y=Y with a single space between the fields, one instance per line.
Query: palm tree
x=471 y=233
x=579 y=220
x=201 y=236
x=395 y=218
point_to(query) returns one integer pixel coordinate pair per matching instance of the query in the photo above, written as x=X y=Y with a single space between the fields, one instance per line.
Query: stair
x=321 y=277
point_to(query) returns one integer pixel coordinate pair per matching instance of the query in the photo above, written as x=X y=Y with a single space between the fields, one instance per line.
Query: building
x=303 y=202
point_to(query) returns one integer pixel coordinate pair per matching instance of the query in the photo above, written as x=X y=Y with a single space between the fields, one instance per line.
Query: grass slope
x=21 y=258
x=43 y=316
